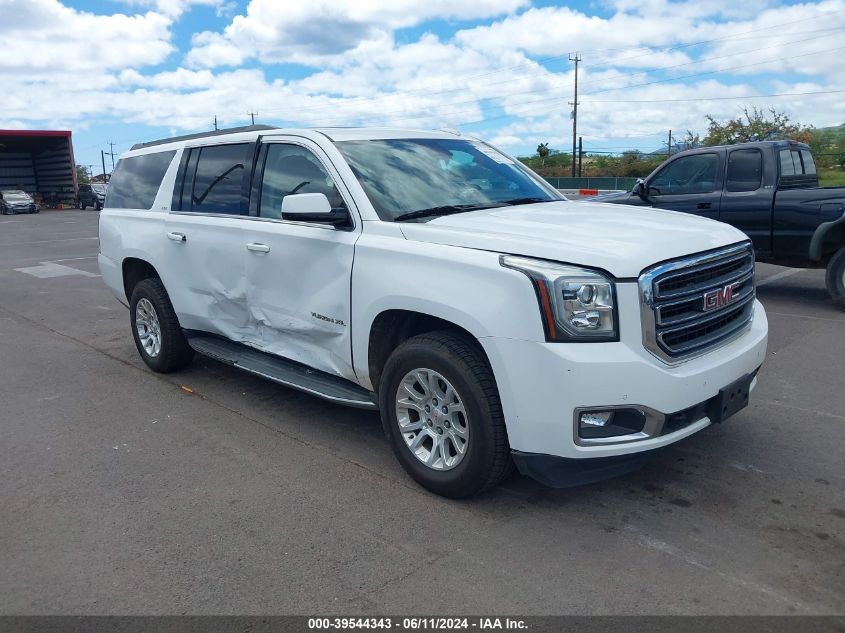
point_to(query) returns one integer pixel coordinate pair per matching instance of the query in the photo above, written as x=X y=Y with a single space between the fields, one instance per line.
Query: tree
x=82 y=175
x=690 y=141
x=542 y=152
x=755 y=125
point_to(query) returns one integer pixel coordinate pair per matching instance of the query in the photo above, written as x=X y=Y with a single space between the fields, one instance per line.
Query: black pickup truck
x=768 y=190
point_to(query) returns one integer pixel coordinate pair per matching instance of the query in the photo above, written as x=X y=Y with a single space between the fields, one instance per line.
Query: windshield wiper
x=517 y=201
x=446 y=209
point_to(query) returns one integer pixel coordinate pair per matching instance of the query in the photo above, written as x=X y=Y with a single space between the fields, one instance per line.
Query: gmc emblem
x=720 y=297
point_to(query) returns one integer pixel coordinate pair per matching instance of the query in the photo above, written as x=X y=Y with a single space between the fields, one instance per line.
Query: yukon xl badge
x=720 y=297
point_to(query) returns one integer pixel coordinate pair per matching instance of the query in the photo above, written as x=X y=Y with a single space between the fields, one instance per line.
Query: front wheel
x=835 y=278
x=440 y=404
x=156 y=329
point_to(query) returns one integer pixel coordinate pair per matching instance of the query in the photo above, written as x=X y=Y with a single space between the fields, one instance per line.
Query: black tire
x=97 y=206
x=835 y=278
x=461 y=361
x=175 y=352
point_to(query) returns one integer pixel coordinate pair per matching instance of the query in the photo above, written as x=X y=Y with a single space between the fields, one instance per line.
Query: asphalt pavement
x=212 y=491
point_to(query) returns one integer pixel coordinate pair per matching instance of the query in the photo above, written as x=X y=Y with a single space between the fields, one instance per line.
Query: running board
x=284 y=371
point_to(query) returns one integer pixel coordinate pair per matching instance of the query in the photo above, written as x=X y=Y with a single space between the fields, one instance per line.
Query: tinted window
x=787 y=167
x=218 y=184
x=291 y=169
x=689 y=174
x=745 y=170
x=136 y=179
x=809 y=163
x=402 y=176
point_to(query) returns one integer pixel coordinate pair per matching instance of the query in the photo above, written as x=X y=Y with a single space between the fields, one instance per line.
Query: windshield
x=15 y=195
x=423 y=178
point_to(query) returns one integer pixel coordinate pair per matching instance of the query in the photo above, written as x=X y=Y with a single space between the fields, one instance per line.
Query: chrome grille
x=678 y=320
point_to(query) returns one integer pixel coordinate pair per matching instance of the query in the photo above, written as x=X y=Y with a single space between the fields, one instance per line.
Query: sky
x=126 y=71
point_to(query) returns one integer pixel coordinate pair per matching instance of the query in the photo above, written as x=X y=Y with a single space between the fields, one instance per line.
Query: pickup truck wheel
x=836 y=278
x=156 y=330
x=440 y=403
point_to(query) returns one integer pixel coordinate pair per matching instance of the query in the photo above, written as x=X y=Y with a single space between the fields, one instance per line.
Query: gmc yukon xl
x=433 y=278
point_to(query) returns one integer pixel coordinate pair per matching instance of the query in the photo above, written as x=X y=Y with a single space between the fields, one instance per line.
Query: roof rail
x=188 y=137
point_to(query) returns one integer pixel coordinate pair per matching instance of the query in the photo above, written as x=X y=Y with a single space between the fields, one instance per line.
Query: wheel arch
x=135 y=270
x=391 y=327
x=827 y=240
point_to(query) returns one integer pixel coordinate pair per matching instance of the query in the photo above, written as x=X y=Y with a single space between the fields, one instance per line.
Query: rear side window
x=218 y=183
x=809 y=163
x=797 y=163
x=745 y=170
x=136 y=179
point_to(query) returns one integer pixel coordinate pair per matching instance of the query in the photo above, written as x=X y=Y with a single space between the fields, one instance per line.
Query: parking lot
x=212 y=491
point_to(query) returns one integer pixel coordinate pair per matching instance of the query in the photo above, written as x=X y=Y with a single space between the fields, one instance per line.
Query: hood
x=620 y=239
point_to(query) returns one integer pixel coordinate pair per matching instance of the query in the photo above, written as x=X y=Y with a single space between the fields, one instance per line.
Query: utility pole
x=575 y=59
x=111 y=153
x=103 y=157
x=252 y=116
x=215 y=122
x=580 y=154
x=669 y=146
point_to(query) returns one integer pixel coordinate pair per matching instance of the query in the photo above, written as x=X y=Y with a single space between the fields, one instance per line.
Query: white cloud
x=317 y=31
x=478 y=77
x=44 y=36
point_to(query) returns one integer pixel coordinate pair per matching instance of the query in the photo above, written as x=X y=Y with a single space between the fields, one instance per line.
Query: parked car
x=16 y=201
x=435 y=279
x=768 y=190
x=91 y=195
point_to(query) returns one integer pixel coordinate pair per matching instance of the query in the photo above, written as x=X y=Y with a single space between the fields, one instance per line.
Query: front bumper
x=542 y=384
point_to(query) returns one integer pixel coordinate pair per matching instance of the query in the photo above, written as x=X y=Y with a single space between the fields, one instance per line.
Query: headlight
x=576 y=304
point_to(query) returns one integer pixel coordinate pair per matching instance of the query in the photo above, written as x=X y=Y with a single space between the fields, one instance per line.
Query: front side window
x=685 y=175
x=417 y=179
x=745 y=170
x=289 y=170
x=136 y=179
x=218 y=184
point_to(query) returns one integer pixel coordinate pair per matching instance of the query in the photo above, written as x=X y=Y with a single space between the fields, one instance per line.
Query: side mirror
x=313 y=207
x=640 y=189
x=311 y=204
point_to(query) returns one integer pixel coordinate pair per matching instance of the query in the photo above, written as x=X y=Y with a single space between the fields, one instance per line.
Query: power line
x=776 y=94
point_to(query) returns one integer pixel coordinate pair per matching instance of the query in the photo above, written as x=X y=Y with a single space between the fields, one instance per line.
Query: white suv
x=430 y=276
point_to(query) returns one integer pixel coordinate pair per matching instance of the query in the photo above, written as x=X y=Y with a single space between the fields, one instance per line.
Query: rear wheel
x=440 y=404
x=836 y=278
x=156 y=329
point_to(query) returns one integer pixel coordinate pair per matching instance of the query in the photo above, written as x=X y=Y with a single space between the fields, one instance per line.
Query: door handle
x=177 y=237
x=257 y=248
x=704 y=205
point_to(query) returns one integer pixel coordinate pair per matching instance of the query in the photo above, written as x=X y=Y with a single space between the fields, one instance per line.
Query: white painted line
x=67 y=239
x=778 y=276
x=75 y=259
x=48 y=270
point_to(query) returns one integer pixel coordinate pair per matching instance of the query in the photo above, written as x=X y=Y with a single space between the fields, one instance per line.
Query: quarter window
x=291 y=169
x=218 y=184
x=689 y=174
x=136 y=179
x=745 y=170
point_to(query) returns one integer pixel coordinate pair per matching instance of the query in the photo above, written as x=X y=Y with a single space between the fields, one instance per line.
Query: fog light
x=599 y=424
x=596 y=418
